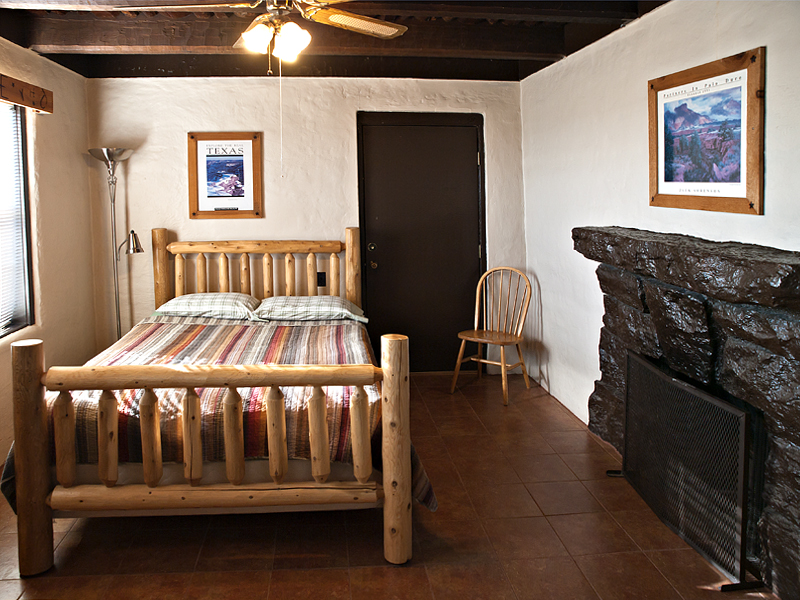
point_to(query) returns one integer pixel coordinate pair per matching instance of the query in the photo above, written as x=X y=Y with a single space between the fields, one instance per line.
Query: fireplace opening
x=698 y=461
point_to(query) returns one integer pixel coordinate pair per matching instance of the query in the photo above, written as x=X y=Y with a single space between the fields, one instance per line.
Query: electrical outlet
x=321 y=279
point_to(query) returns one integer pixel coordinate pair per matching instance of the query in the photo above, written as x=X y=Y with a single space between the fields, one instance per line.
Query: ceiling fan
x=291 y=39
x=275 y=23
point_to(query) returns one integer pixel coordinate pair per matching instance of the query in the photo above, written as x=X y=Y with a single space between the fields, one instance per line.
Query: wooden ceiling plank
x=562 y=12
x=566 y=12
x=81 y=34
x=128 y=5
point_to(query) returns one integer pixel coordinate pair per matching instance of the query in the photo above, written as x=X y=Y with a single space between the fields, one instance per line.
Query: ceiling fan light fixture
x=257 y=37
x=290 y=41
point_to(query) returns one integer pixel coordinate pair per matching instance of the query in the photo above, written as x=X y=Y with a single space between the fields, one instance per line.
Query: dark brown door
x=421 y=202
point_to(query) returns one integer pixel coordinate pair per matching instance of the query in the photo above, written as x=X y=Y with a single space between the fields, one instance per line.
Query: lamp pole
x=112 y=157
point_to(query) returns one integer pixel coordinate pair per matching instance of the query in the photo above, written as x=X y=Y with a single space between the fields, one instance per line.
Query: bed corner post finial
x=352 y=252
x=161 y=279
x=31 y=458
x=396 y=449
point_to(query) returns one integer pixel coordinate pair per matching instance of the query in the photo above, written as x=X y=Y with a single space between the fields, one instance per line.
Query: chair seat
x=497 y=338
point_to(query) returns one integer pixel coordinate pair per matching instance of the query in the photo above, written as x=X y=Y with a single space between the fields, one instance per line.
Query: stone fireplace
x=727 y=317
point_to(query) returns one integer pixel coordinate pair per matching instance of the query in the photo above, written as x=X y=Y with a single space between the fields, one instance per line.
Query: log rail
x=247 y=252
x=36 y=499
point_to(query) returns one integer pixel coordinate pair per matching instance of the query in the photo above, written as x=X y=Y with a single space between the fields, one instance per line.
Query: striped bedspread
x=160 y=340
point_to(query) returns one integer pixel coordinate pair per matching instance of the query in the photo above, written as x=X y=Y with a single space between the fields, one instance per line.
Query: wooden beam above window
x=25 y=94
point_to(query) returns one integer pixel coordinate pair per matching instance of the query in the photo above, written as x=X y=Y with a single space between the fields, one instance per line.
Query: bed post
x=352 y=253
x=396 y=449
x=163 y=289
x=31 y=458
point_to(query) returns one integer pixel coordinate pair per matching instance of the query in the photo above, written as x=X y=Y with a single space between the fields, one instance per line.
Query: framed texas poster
x=225 y=177
x=707 y=136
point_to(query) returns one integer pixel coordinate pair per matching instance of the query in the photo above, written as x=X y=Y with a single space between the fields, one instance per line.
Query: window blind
x=15 y=293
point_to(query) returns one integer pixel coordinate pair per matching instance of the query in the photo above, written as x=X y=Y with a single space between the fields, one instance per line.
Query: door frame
x=418 y=119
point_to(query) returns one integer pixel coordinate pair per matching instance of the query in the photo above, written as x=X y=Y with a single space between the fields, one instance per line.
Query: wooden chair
x=501 y=305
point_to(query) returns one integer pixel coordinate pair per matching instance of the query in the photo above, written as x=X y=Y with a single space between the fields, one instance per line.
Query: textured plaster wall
x=310 y=163
x=585 y=162
x=61 y=223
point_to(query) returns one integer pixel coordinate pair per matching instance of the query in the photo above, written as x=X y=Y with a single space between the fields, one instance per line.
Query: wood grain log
x=318 y=435
x=289 y=274
x=359 y=434
x=234 y=436
x=224 y=276
x=180 y=275
x=244 y=273
x=64 y=434
x=311 y=274
x=335 y=278
x=31 y=458
x=396 y=444
x=353 y=265
x=276 y=435
x=115 y=377
x=269 y=286
x=162 y=283
x=107 y=438
x=202 y=273
x=150 y=423
x=191 y=419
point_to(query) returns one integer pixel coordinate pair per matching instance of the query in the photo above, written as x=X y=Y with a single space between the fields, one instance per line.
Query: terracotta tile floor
x=526 y=512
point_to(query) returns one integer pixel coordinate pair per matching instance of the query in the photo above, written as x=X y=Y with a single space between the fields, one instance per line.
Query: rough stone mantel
x=727 y=316
x=728 y=271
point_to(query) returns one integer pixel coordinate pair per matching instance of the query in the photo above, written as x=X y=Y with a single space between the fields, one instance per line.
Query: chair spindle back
x=504 y=294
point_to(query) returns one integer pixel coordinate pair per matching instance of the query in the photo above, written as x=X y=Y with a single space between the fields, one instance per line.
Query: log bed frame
x=38 y=501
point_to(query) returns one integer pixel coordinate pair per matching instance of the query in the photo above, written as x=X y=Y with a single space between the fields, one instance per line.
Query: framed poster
x=225 y=175
x=706 y=127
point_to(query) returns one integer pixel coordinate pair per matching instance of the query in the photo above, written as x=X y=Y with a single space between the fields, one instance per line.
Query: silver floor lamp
x=112 y=157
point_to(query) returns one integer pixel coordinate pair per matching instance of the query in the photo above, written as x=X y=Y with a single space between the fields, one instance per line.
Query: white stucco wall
x=584 y=123
x=310 y=168
x=61 y=231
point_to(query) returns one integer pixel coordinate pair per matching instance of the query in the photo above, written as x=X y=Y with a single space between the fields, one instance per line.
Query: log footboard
x=36 y=498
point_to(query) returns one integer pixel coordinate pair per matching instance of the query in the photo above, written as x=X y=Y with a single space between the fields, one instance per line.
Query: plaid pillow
x=221 y=305
x=308 y=308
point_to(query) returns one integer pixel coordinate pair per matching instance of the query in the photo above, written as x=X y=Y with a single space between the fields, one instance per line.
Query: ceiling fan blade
x=352 y=22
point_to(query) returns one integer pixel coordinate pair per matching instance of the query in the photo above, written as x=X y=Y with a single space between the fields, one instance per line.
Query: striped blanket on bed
x=172 y=340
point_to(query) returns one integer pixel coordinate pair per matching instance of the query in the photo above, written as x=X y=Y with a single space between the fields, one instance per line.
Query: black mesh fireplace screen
x=688 y=455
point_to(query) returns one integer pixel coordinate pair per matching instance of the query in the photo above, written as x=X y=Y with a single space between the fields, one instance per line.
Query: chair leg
x=504 y=370
x=524 y=369
x=480 y=365
x=458 y=365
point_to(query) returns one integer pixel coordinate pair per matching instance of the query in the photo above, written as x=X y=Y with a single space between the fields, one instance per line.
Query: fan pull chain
x=280 y=106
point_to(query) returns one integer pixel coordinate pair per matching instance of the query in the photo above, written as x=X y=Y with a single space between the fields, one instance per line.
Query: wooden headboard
x=248 y=252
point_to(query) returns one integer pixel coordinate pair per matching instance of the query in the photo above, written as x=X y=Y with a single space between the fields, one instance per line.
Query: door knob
x=371 y=247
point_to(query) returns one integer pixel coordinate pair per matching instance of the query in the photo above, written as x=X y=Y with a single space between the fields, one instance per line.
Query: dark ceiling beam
x=131 y=5
x=81 y=33
x=616 y=13
x=241 y=65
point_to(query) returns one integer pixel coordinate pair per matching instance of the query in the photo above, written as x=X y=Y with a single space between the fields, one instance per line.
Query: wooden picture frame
x=706 y=129
x=225 y=175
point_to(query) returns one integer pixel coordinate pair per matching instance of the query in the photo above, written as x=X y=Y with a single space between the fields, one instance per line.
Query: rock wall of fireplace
x=727 y=316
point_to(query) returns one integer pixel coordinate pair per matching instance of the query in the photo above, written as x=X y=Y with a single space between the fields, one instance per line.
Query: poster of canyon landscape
x=701 y=147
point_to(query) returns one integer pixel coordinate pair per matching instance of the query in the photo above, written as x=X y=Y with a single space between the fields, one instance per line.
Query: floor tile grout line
x=660 y=572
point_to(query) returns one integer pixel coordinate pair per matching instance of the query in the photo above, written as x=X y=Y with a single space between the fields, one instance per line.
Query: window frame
x=24 y=313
